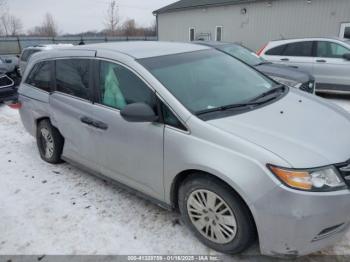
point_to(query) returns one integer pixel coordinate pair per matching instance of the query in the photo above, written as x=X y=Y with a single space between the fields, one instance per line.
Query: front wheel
x=216 y=215
x=49 y=141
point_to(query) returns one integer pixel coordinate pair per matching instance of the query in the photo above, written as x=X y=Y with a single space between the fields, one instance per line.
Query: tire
x=237 y=214
x=50 y=142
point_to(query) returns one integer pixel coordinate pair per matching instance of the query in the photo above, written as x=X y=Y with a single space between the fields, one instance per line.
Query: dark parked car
x=280 y=73
x=8 y=90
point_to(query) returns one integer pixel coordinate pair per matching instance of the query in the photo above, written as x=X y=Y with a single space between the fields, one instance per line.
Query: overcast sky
x=74 y=16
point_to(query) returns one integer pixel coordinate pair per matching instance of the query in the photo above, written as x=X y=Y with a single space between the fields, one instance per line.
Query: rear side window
x=27 y=54
x=293 y=49
x=120 y=87
x=40 y=76
x=298 y=49
x=72 y=77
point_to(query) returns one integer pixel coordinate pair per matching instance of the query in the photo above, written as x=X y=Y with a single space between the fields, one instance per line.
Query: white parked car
x=327 y=59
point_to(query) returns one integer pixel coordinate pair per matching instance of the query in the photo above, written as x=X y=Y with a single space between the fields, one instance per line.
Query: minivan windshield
x=243 y=54
x=208 y=79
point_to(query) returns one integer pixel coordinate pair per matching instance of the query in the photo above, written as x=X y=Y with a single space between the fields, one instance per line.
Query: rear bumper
x=293 y=223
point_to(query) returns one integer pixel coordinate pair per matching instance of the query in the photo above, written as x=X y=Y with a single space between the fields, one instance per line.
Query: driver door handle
x=321 y=61
x=284 y=59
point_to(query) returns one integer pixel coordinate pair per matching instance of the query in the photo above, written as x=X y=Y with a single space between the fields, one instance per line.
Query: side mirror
x=138 y=112
x=346 y=56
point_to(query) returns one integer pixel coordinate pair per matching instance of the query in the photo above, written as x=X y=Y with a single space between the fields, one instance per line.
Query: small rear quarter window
x=40 y=76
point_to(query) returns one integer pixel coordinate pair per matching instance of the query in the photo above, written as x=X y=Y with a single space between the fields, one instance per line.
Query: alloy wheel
x=212 y=216
x=47 y=142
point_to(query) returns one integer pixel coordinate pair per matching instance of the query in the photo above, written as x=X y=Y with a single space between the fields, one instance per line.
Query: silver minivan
x=192 y=128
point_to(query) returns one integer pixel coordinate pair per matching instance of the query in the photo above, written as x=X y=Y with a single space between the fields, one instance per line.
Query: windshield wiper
x=228 y=107
x=263 y=63
x=253 y=102
x=277 y=88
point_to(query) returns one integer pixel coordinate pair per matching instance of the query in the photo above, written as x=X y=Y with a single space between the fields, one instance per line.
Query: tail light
x=261 y=50
x=15 y=105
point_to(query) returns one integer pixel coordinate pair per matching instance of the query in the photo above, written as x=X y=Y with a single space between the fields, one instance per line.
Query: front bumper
x=294 y=223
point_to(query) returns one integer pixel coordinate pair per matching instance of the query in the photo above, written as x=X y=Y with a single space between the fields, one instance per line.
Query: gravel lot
x=47 y=209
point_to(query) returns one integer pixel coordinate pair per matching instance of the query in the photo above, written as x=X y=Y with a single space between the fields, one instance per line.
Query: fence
x=14 y=45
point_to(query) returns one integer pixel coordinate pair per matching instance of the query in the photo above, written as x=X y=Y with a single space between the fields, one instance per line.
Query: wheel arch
x=38 y=120
x=186 y=174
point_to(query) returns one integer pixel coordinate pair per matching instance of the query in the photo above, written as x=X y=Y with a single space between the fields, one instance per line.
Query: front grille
x=344 y=170
x=5 y=81
x=308 y=87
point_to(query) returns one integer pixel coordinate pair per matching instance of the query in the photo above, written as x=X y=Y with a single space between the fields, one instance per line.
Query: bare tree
x=48 y=27
x=129 y=28
x=10 y=25
x=112 y=18
x=3 y=11
x=16 y=25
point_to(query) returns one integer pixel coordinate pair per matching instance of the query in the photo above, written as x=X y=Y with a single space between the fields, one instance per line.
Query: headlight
x=287 y=82
x=317 y=180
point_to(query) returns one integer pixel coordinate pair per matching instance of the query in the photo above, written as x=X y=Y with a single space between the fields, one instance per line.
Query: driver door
x=131 y=153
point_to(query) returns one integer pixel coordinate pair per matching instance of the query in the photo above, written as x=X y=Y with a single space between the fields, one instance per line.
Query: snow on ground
x=59 y=209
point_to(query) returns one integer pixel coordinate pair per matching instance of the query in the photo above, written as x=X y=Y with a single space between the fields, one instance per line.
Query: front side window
x=40 y=76
x=72 y=77
x=243 y=54
x=209 y=79
x=298 y=49
x=219 y=33
x=170 y=118
x=331 y=50
x=120 y=87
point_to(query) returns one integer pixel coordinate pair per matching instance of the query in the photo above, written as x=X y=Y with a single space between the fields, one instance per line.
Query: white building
x=253 y=22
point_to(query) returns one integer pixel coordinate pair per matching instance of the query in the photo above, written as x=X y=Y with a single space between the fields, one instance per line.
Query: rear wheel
x=49 y=141
x=216 y=215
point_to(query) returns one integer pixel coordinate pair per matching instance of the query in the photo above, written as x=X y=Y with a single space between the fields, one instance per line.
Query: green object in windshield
x=207 y=79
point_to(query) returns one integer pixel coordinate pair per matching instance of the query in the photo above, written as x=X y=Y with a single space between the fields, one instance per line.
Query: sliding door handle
x=321 y=61
x=285 y=59
x=100 y=125
x=86 y=120
x=95 y=123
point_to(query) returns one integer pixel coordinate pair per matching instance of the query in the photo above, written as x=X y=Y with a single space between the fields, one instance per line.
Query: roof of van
x=144 y=49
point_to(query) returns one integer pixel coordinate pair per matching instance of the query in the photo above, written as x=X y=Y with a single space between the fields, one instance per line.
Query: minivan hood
x=284 y=71
x=304 y=130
